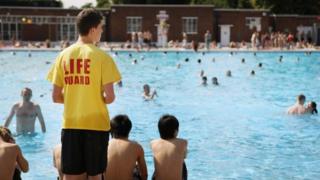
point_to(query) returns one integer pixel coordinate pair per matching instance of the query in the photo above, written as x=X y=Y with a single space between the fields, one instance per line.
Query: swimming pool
x=238 y=130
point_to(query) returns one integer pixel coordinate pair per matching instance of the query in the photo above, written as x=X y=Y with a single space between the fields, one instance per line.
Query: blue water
x=238 y=130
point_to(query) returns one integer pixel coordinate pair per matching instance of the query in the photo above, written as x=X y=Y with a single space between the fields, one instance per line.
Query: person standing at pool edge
x=82 y=78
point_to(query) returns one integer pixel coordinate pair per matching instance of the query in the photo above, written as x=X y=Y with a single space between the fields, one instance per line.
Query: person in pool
x=298 y=107
x=169 y=151
x=204 y=81
x=312 y=108
x=215 y=81
x=26 y=113
x=228 y=73
x=11 y=157
x=125 y=157
x=147 y=95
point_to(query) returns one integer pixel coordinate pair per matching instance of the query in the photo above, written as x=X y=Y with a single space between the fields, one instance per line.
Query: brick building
x=38 y=24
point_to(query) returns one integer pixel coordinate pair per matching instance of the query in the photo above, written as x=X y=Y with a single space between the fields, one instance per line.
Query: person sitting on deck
x=169 y=151
x=125 y=157
x=11 y=157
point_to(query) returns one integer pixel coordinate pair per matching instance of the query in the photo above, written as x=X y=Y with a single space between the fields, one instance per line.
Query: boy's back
x=122 y=157
x=168 y=158
x=10 y=154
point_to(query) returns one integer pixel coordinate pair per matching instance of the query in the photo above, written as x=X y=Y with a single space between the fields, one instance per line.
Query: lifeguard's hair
x=87 y=19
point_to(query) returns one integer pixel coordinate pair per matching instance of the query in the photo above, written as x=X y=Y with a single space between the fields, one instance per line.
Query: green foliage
x=87 y=5
x=276 y=6
x=103 y=3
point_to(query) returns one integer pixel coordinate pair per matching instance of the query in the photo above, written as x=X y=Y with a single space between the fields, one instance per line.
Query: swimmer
x=142 y=58
x=130 y=55
x=48 y=62
x=204 y=81
x=255 y=54
x=298 y=107
x=146 y=93
x=203 y=53
x=260 y=65
x=199 y=61
x=213 y=59
x=26 y=113
x=312 y=107
x=231 y=53
x=164 y=52
x=135 y=61
x=186 y=60
x=29 y=54
x=215 y=81
x=228 y=73
x=243 y=60
x=119 y=83
x=201 y=73
x=178 y=66
x=280 y=58
x=252 y=73
x=156 y=68
x=116 y=53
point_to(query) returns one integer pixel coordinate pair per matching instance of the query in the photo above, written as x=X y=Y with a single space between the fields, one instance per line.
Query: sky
x=77 y=3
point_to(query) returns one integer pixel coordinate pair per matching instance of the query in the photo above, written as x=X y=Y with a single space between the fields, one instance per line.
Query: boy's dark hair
x=301 y=97
x=120 y=126
x=167 y=126
x=87 y=19
x=314 y=108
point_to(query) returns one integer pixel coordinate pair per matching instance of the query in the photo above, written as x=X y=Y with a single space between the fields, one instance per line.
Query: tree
x=103 y=3
x=87 y=5
x=291 y=6
x=33 y=3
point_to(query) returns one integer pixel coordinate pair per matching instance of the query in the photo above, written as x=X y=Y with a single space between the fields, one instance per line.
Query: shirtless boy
x=10 y=156
x=123 y=154
x=169 y=151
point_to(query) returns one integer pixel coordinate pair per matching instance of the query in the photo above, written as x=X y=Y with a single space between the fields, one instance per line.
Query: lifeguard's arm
x=57 y=94
x=108 y=93
x=22 y=162
x=142 y=163
x=41 y=119
x=9 y=118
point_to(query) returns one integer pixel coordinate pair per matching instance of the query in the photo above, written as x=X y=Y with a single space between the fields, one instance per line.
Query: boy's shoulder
x=10 y=146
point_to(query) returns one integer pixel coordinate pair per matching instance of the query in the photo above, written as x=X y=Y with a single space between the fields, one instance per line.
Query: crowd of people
x=145 y=41
x=84 y=86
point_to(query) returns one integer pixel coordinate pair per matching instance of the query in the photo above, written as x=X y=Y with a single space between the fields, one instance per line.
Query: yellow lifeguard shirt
x=82 y=70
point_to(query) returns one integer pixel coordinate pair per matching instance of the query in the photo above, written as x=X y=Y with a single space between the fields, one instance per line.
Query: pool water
x=237 y=130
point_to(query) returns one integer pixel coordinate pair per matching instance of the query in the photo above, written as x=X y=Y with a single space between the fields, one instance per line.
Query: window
x=190 y=25
x=254 y=22
x=134 y=24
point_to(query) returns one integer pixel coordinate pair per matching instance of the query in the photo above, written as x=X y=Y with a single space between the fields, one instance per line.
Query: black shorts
x=84 y=151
